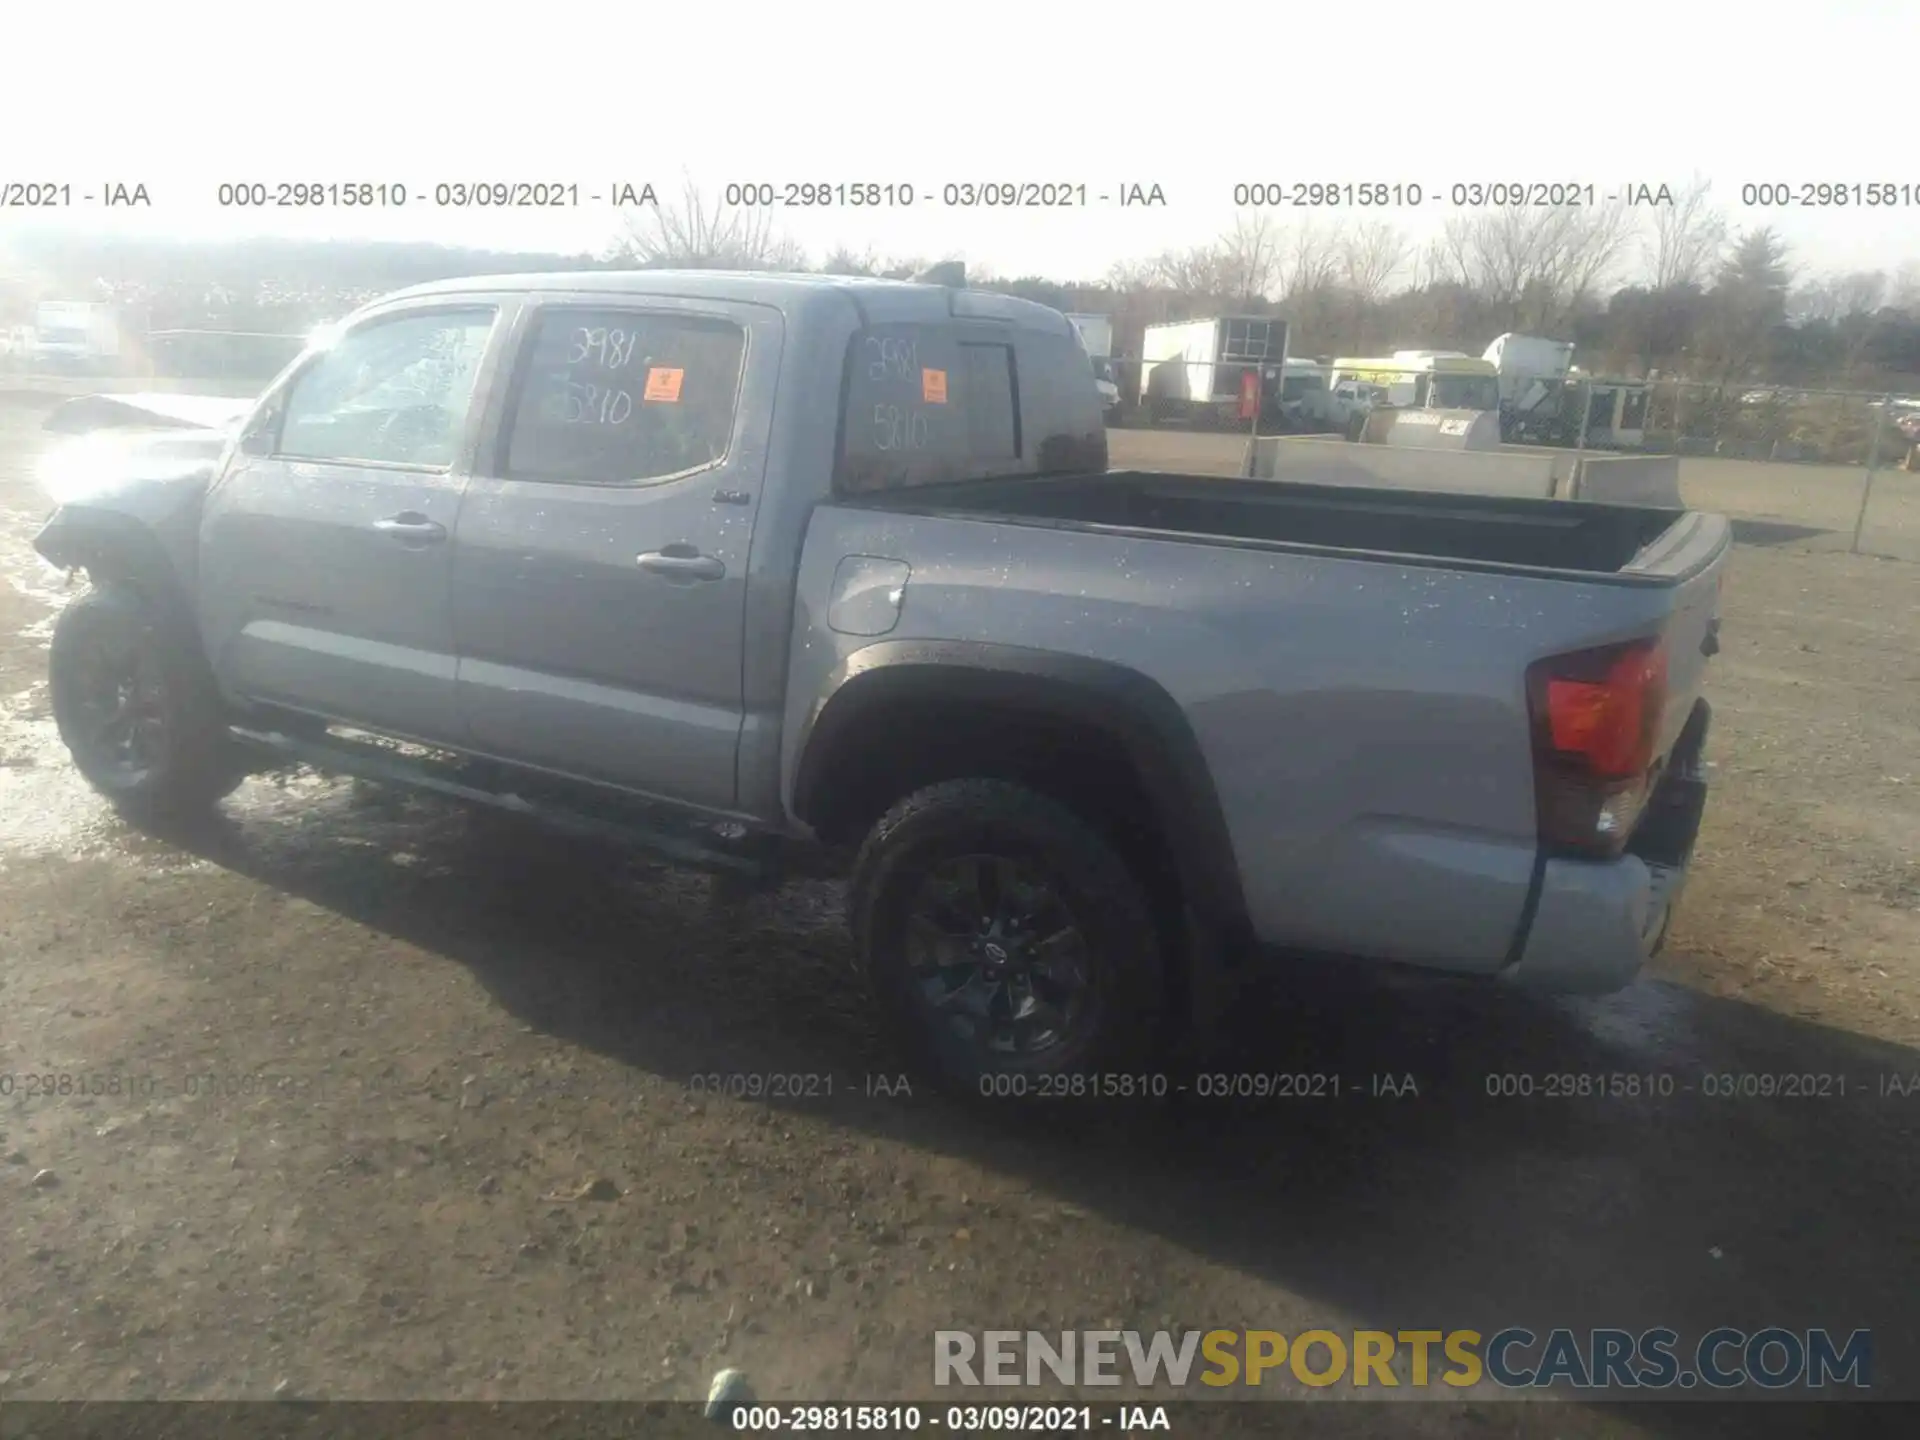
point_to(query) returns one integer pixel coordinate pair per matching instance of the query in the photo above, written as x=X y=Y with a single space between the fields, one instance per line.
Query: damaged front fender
x=128 y=483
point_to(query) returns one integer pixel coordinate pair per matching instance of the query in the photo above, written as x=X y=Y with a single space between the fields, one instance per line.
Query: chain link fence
x=140 y=354
x=1779 y=425
x=1845 y=462
x=219 y=354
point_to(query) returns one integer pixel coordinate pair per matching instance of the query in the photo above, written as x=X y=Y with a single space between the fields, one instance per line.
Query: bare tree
x=1860 y=292
x=1905 y=293
x=1312 y=263
x=1195 y=271
x=695 y=235
x=844 y=260
x=1370 y=256
x=1250 y=255
x=1435 y=264
x=1814 y=301
x=1536 y=265
x=1128 y=276
x=1858 y=300
x=1242 y=265
x=1687 y=238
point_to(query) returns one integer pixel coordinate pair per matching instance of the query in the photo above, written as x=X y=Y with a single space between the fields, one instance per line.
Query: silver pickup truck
x=771 y=571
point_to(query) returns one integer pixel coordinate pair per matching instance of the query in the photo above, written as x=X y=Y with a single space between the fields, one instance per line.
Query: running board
x=380 y=764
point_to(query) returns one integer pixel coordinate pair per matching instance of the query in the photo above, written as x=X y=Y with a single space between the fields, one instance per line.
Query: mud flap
x=1214 y=977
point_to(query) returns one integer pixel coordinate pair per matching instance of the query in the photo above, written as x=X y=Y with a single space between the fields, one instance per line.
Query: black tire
x=175 y=758
x=1113 y=961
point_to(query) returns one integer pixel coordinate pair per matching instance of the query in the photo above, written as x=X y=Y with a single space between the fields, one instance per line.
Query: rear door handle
x=411 y=525
x=683 y=562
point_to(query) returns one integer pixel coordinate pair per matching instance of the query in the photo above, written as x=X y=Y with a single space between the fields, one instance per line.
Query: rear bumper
x=1598 y=922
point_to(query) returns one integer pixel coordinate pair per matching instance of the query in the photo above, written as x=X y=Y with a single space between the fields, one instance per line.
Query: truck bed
x=1629 y=544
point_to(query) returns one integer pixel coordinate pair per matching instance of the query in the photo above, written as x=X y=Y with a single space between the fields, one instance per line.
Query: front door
x=325 y=547
x=600 y=573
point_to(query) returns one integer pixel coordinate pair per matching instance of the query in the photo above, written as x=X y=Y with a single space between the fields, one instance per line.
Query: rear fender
x=1134 y=711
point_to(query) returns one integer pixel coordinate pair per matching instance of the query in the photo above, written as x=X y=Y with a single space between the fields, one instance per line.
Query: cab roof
x=878 y=301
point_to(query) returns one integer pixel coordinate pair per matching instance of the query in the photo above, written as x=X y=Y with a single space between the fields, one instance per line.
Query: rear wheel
x=136 y=707
x=1013 y=951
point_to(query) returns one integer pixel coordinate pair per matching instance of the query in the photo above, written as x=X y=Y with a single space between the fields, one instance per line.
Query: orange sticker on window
x=933 y=386
x=663 y=386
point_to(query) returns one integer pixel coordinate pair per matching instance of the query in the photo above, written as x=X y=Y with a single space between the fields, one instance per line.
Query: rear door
x=600 y=577
x=324 y=556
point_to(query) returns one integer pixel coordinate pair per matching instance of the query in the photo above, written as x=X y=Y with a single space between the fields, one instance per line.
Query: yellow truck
x=1413 y=379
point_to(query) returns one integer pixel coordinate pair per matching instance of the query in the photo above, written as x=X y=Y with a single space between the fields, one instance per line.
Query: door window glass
x=391 y=392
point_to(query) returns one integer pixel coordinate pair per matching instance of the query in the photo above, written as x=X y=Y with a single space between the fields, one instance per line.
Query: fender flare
x=1127 y=706
x=110 y=544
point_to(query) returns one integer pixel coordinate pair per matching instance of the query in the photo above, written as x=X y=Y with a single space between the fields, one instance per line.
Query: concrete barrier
x=1542 y=472
x=1313 y=461
x=1630 y=480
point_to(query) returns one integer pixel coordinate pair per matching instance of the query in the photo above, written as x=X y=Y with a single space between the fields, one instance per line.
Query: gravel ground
x=405 y=1103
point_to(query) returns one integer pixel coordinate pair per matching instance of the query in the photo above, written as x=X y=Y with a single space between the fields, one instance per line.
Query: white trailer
x=74 y=334
x=1096 y=333
x=1096 y=338
x=1193 y=370
x=1528 y=366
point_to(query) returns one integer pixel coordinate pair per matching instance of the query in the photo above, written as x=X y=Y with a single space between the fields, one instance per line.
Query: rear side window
x=624 y=396
x=926 y=405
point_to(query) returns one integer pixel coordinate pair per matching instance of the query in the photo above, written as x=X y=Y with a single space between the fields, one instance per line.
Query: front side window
x=392 y=392
x=625 y=396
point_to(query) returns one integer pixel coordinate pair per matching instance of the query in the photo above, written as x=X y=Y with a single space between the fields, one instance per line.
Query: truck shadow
x=1454 y=1182
x=1777 y=532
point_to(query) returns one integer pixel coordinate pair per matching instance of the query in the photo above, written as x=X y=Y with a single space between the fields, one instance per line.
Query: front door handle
x=411 y=525
x=683 y=562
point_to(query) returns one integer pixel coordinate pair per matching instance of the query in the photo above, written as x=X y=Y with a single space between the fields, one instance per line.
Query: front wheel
x=137 y=708
x=1008 y=943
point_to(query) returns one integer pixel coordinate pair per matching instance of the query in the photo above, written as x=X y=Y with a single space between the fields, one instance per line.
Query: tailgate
x=1694 y=551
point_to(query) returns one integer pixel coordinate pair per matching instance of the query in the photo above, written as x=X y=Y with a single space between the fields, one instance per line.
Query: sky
x=188 y=96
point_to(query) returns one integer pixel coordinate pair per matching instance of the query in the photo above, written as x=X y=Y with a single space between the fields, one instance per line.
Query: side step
x=757 y=858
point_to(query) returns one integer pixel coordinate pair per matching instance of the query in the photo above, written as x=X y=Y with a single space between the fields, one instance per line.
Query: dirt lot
x=362 y=1055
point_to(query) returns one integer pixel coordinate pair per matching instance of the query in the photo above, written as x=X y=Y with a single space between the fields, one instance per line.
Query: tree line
x=1674 y=291
x=1705 y=303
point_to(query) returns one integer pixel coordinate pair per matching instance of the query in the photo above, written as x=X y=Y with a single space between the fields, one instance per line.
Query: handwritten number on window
x=898 y=428
x=595 y=405
x=603 y=348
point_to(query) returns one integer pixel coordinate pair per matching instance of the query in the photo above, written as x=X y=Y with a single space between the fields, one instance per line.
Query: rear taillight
x=1596 y=726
